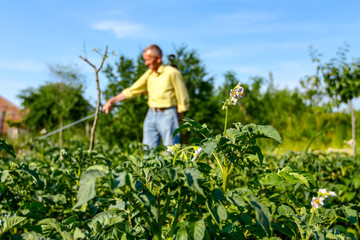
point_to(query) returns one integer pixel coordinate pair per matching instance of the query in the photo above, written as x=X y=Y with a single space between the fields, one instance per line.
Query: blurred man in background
x=168 y=99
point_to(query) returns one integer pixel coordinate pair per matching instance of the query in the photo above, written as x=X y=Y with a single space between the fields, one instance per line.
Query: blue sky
x=249 y=37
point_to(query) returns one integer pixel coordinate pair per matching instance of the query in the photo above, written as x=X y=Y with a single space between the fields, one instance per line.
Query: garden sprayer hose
x=67 y=126
x=71 y=124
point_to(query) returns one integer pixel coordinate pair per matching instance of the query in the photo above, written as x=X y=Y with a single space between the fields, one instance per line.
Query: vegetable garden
x=218 y=187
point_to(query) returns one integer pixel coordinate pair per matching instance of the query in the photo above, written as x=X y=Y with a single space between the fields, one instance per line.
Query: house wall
x=9 y=111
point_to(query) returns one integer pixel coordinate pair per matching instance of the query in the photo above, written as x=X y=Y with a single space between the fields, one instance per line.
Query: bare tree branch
x=97 y=70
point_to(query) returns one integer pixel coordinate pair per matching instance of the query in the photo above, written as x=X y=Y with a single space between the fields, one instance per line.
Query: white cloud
x=22 y=65
x=121 y=29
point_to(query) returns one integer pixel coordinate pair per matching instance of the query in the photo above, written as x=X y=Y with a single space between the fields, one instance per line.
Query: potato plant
x=218 y=187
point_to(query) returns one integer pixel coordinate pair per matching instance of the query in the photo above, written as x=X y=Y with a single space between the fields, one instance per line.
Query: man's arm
x=137 y=88
x=181 y=93
x=108 y=106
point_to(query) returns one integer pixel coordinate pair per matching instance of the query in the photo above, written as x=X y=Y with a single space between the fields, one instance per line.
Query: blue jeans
x=160 y=125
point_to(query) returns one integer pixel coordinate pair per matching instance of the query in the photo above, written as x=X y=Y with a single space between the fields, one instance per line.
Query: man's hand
x=108 y=106
x=110 y=103
x=180 y=117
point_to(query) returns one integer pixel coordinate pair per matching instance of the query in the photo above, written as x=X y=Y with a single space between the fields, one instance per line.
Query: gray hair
x=155 y=50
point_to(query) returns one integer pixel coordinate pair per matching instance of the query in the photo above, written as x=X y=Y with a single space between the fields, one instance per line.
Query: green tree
x=54 y=103
x=338 y=79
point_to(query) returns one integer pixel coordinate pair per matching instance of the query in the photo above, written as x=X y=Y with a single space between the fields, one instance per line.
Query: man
x=168 y=99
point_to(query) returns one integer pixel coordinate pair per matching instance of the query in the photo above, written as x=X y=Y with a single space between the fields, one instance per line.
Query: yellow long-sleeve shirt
x=164 y=87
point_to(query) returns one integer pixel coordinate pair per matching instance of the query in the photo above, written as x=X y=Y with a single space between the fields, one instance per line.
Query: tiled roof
x=12 y=112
